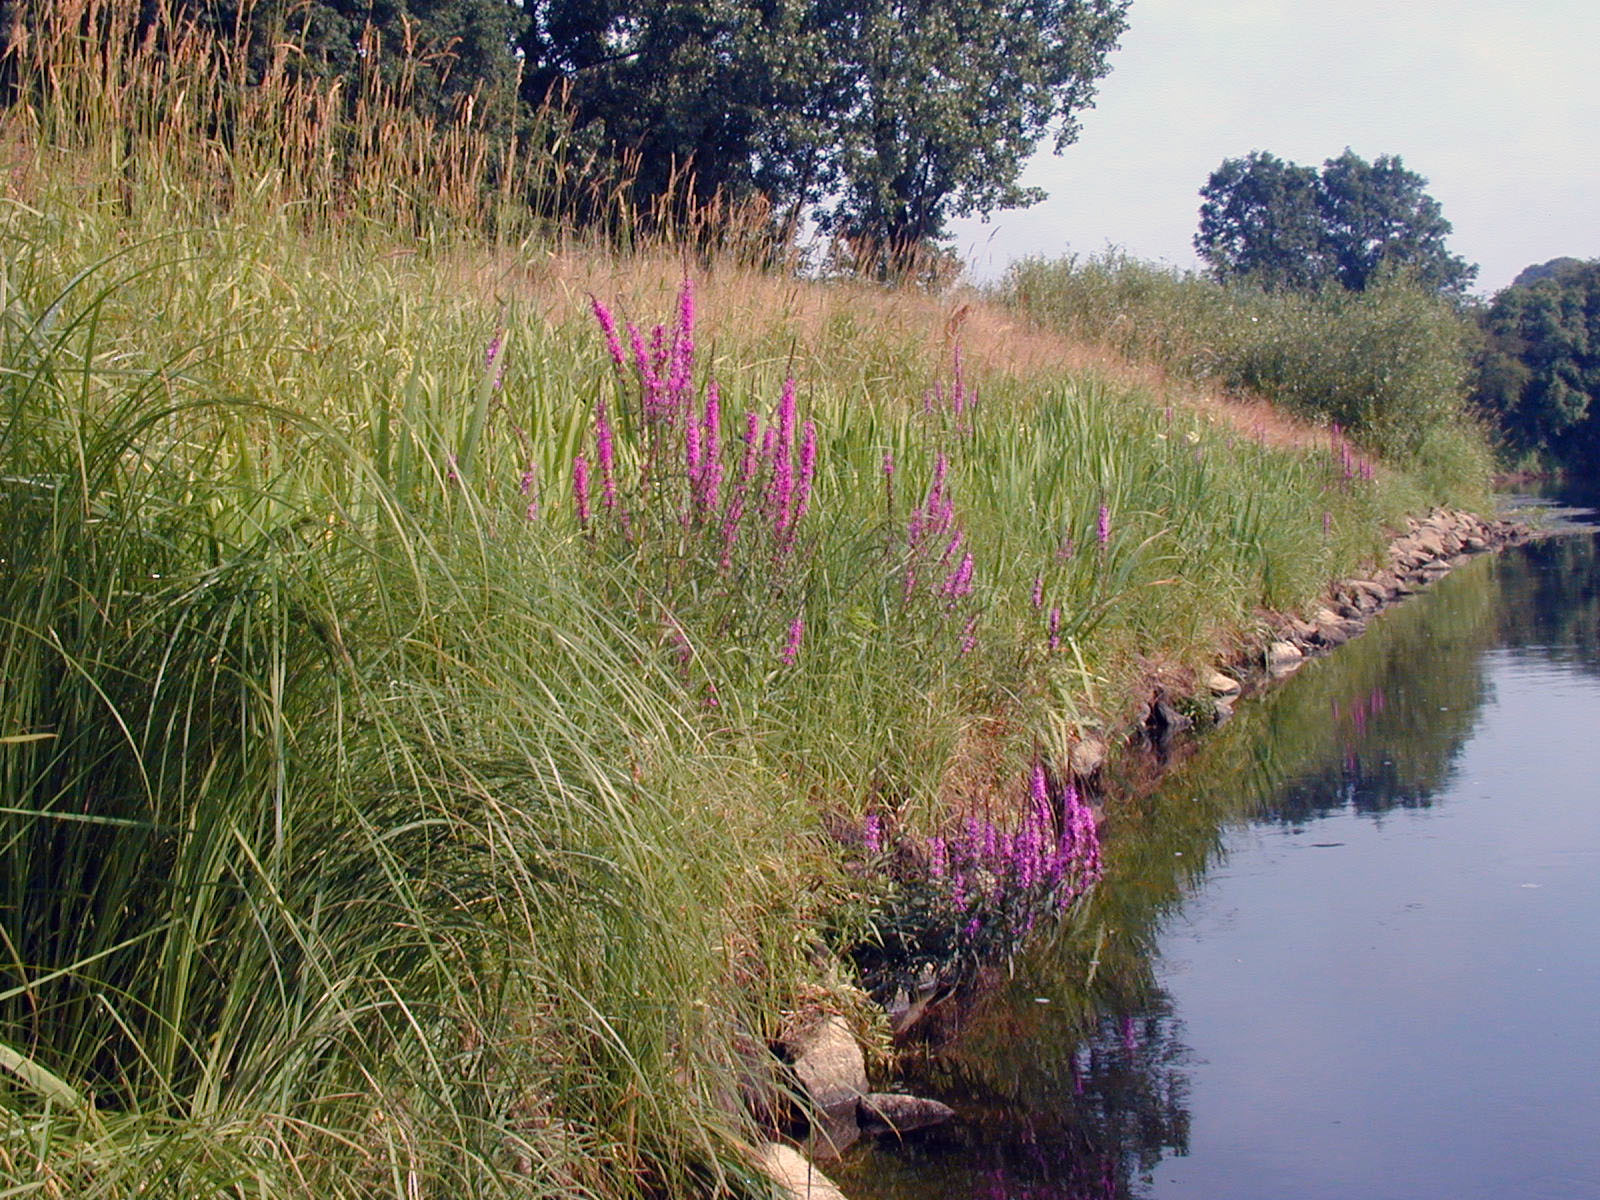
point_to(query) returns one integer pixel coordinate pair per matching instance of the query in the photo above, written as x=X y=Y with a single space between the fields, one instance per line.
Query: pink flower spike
x=872 y=834
x=791 y=648
x=605 y=453
x=752 y=438
x=528 y=474
x=1103 y=526
x=969 y=635
x=1055 y=629
x=1038 y=591
x=580 y=488
x=608 y=326
x=808 y=469
x=492 y=355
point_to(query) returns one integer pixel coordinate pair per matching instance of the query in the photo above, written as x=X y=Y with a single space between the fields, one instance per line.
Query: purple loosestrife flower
x=658 y=348
x=1066 y=549
x=711 y=447
x=752 y=438
x=780 y=494
x=959 y=581
x=952 y=547
x=1103 y=526
x=872 y=834
x=969 y=635
x=808 y=470
x=693 y=460
x=492 y=354
x=1055 y=628
x=1038 y=591
x=528 y=475
x=605 y=454
x=608 y=327
x=938 y=858
x=580 y=488
x=791 y=648
x=682 y=347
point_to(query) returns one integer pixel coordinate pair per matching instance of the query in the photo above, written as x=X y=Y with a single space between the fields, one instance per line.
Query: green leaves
x=1540 y=371
x=1284 y=227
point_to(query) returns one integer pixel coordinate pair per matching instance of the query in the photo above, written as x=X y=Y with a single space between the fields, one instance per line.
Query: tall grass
x=374 y=822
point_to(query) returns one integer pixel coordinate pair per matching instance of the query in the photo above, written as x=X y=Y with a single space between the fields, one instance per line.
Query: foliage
x=1389 y=365
x=1280 y=225
x=948 y=101
x=880 y=119
x=1539 y=375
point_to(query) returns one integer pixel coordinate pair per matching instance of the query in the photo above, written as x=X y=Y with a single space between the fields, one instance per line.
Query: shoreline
x=826 y=1058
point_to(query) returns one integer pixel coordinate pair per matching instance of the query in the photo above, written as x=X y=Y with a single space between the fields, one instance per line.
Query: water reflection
x=1074 y=1079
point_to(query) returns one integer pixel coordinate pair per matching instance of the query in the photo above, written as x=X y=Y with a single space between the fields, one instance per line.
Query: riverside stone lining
x=1429 y=550
x=826 y=1058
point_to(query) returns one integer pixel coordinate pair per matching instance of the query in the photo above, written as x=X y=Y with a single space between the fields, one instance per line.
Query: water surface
x=1350 y=949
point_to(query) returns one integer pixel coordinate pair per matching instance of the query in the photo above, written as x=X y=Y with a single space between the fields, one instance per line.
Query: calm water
x=1350 y=949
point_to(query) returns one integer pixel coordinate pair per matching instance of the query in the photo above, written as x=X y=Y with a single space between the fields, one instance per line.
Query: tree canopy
x=1282 y=225
x=885 y=117
x=1540 y=372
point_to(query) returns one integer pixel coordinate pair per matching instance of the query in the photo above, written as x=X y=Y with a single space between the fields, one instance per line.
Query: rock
x=1086 y=757
x=1324 y=617
x=795 y=1175
x=1474 y=544
x=1336 y=632
x=831 y=1068
x=1283 y=657
x=1222 y=708
x=1222 y=685
x=1165 y=720
x=885 y=1112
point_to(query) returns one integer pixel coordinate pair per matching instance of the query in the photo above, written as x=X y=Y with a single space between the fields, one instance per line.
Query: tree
x=1540 y=370
x=435 y=54
x=1285 y=226
x=888 y=116
x=950 y=99
x=1262 y=221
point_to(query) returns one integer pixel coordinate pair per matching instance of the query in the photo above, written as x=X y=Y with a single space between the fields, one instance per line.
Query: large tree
x=889 y=116
x=1540 y=373
x=1286 y=226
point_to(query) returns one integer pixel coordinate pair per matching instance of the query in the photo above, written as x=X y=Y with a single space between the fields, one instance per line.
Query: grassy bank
x=428 y=744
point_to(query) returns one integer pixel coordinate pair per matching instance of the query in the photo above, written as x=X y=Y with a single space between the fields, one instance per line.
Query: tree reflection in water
x=1070 y=1077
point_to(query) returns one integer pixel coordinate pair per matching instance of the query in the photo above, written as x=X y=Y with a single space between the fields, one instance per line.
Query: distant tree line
x=1356 y=225
x=881 y=119
x=1540 y=369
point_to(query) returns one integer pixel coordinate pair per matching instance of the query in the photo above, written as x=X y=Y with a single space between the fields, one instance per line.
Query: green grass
x=365 y=834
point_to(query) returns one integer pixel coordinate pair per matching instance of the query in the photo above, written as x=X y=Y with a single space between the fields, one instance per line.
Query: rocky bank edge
x=828 y=1064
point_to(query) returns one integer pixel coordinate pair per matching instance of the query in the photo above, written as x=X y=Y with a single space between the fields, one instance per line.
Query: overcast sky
x=1495 y=102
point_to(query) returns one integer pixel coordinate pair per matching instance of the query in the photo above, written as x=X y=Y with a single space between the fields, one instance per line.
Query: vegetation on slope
x=385 y=815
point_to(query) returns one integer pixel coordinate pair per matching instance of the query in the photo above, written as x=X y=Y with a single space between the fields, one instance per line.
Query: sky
x=1495 y=102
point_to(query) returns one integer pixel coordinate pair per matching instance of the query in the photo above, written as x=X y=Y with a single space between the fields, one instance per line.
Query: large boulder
x=829 y=1065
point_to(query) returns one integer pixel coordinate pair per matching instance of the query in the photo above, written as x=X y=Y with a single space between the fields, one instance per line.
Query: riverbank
x=453 y=681
x=829 y=1065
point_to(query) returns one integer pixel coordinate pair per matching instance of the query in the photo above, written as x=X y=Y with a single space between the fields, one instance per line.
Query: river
x=1348 y=948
